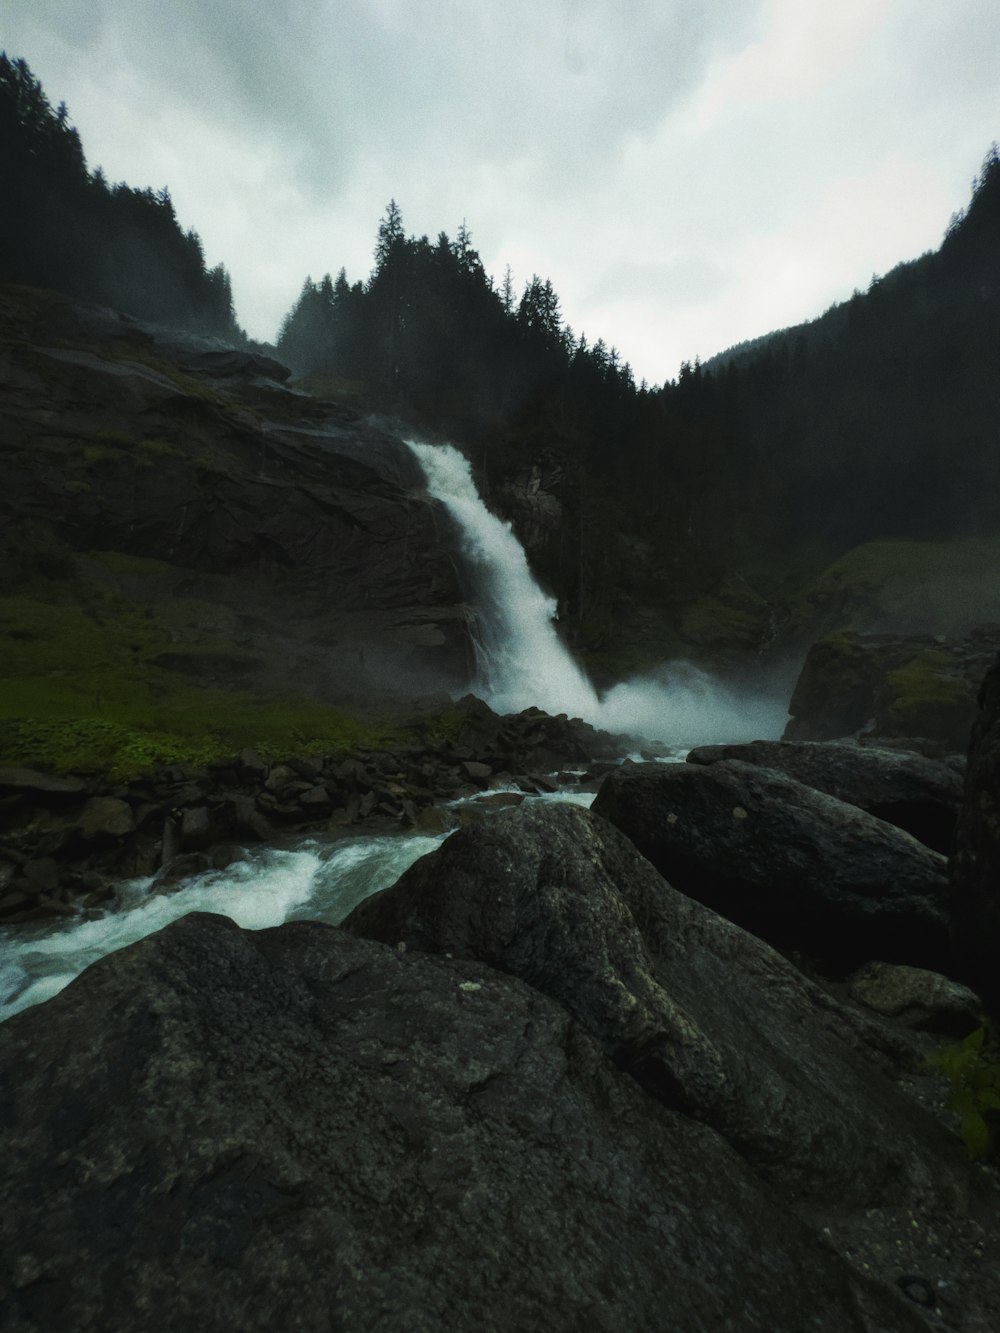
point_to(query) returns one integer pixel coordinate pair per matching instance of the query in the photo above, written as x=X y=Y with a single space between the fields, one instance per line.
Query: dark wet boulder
x=975 y=879
x=790 y=863
x=706 y=1017
x=922 y=796
x=105 y=818
x=295 y=1128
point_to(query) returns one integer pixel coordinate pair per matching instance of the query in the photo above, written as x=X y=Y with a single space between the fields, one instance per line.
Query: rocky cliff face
x=166 y=471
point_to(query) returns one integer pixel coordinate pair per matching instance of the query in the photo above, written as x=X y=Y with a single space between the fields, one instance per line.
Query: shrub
x=973 y=1069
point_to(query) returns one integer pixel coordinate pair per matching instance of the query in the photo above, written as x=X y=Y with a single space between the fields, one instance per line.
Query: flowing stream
x=521 y=661
x=310 y=882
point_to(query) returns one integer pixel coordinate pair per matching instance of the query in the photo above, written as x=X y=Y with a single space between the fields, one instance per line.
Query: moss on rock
x=926 y=697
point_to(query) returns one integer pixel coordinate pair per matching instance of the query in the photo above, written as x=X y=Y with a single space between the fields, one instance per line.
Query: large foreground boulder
x=297 y=1129
x=705 y=1016
x=794 y=865
x=920 y=795
x=975 y=882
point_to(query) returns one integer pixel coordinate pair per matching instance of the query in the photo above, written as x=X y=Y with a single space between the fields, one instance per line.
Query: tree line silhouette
x=64 y=227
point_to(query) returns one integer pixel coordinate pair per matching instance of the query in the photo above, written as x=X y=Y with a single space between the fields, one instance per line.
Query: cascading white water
x=520 y=658
x=522 y=662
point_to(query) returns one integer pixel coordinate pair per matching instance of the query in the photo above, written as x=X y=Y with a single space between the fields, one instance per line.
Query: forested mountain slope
x=813 y=478
x=696 y=517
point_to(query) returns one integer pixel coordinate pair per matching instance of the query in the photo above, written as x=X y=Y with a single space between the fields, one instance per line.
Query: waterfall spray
x=521 y=661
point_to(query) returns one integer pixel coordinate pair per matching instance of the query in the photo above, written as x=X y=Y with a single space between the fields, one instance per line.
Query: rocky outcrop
x=691 y=1007
x=975 y=880
x=922 y=796
x=302 y=1128
x=892 y=686
x=532 y=501
x=308 y=529
x=792 y=864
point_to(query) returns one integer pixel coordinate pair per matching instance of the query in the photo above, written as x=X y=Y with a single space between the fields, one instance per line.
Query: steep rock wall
x=307 y=529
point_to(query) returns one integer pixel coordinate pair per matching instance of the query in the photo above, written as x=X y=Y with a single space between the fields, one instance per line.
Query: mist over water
x=522 y=662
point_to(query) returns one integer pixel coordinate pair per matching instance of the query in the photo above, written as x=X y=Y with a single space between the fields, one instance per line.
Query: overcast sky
x=689 y=173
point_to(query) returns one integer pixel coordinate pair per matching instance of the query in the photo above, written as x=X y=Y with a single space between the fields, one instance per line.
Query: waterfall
x=520 y=659
x=522 y=662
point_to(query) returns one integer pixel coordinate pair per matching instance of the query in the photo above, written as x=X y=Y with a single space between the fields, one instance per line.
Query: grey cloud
x=563 y=83
x=689 y=280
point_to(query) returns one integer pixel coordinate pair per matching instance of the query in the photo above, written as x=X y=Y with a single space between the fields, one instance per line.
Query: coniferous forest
x=65 y=227
x=756 y=470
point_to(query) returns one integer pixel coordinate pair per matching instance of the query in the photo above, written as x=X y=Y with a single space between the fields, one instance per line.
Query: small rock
x=352 y=770
x=315 y=798
x=498 y=800
x=279 y=778
x=432 y=819
x=226 y=854
x=248 y=819
x=197 y=829
x=347 y=814
x=106 y=817
x=917 y=997
x=251 y=762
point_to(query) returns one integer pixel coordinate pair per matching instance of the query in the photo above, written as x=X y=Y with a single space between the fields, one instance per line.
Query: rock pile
x=535 y=1083
x=62 y=839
